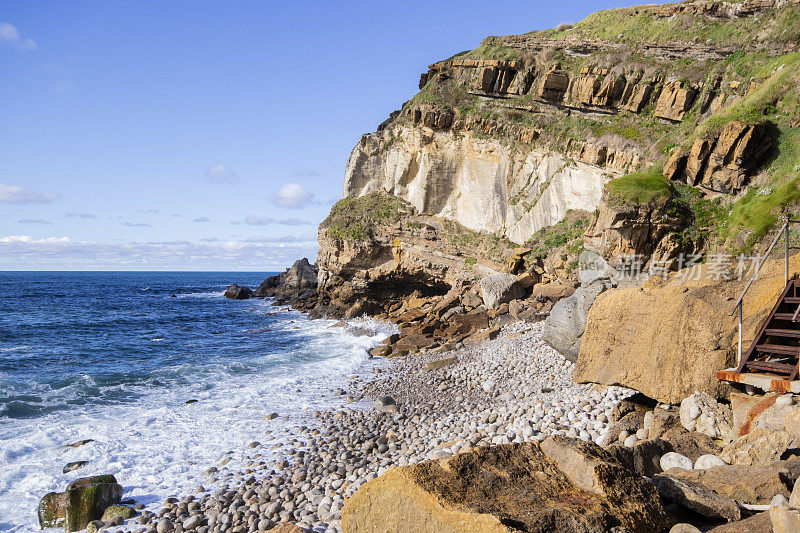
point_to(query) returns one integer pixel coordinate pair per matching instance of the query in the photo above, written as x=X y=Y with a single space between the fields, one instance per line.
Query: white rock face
x=675 y=460
x=483 y=184
x=700 y=412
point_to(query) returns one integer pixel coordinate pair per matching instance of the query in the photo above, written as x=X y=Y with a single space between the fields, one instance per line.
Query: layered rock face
x=393 y=258
x=483 y=184
x=723 y=161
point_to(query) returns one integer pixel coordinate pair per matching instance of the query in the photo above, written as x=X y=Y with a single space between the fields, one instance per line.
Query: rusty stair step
x=781 y=368
x=778 y=349
x=793 y=333
x=784 y=316
x=791 y=300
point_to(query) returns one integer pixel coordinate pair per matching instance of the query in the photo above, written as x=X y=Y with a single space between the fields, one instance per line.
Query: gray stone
x=498 y=289
x=592 y=267
x=696 y=497
x=565 y=325
x=684 y=528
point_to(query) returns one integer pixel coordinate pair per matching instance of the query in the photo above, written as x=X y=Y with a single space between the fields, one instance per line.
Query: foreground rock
x=85 y=500
x=668 y=339
x=561 y=485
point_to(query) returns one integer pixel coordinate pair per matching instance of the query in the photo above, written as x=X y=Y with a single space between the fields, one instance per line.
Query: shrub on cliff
x=640 y=188
x=352 y=219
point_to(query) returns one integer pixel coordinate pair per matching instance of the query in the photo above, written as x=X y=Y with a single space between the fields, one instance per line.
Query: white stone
x=779 y=499
x=794 y=499
x=708 y=461
x=630 y=441
x=642 y=434
x=782 y=401
x=649 y=420
x=675 y=460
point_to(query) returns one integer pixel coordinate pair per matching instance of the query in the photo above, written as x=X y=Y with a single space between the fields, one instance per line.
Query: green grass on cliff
x=762 y=103
x=759 y=210
x=566 y=233
x=637 y=25
x=353 y=219
x=640 y=188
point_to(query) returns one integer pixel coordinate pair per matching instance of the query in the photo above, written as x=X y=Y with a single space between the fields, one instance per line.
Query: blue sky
x=192 y=135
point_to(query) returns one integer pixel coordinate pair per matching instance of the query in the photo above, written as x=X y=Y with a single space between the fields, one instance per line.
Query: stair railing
x=784 y=231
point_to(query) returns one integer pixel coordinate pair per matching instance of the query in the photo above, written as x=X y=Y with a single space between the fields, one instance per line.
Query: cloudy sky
x=196 y=135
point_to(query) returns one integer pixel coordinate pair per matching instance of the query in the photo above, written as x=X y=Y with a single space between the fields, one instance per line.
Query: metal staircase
x=776 y=348
x=771 y=362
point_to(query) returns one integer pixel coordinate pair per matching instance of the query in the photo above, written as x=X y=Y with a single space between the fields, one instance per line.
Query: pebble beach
x=425 y=406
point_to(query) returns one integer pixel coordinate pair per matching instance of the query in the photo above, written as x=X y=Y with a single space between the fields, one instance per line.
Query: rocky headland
x=559 y=223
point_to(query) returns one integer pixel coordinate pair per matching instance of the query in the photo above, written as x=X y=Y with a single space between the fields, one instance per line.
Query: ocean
x=162 y=372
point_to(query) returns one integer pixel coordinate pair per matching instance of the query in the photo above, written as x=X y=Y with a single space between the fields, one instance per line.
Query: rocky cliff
x=676 y=125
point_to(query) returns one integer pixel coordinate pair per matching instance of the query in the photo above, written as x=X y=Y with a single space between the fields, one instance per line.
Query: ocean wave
x=15 y=348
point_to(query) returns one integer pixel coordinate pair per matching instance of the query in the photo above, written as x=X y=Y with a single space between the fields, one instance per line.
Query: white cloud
x=11 y=194
x=252 y=220
x=136 y=224
x=33 y=221
x=293 y=196
x=27 y=239
x=80 y=215
x=60 y=253
x=220 y=174
x=9 y=34
x=202 y=219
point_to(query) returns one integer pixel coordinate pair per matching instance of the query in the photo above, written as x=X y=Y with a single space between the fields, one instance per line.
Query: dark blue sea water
x=115 y=356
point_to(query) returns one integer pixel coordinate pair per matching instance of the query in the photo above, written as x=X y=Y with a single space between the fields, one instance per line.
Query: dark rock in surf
x=236 y=292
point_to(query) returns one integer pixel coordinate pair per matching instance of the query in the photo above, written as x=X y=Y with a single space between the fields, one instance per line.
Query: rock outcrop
x=722 y=161
x=631 y=235
x=561 y=485
x=299 y=278
x=84 y=501
x=668 y=339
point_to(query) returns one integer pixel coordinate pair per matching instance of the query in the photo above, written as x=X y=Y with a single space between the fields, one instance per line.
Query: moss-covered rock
x=87 y=499
x=116 y=511
x=52 y=509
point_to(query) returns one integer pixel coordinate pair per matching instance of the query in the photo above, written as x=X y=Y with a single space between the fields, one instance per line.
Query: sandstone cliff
x=506 y=139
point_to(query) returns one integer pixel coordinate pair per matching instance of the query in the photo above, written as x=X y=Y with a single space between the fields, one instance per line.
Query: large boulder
x=237 y=292
x=560 y=485
x=498 y=289
x=668 y=338
x=564 y=327
x=88 y=498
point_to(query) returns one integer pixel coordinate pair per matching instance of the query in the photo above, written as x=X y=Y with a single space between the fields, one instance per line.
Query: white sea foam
x=160 y=445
